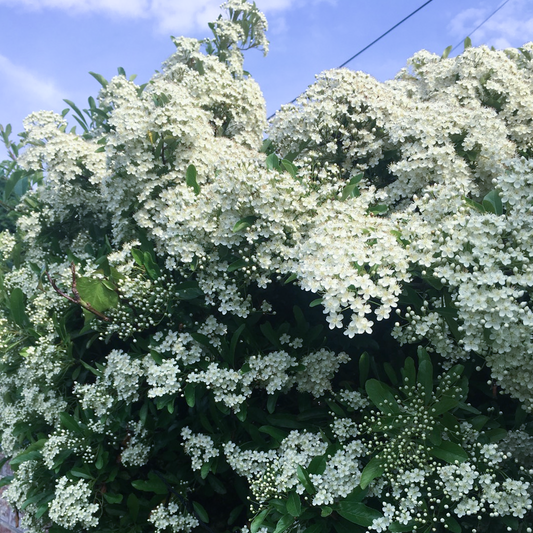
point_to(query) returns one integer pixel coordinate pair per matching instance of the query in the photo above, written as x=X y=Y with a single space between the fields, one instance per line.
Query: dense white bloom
x=199 y=447
x=71 y=505
x=172 y=519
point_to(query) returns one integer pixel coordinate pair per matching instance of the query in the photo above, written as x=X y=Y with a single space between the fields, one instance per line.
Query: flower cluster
x=189 y=290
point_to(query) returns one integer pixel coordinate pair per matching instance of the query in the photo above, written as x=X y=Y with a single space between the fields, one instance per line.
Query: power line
x=386 y=33
x=479 y=26
x=375 y=41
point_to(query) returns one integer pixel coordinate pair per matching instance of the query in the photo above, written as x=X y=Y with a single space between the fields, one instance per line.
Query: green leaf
x=371 y=471
x=234 y=341
x=244 y=223
x=268 y=331
x=155 y=485
x=467 y=43
x=336 y=408
x=446 y=52
x=377 y=209
x=152 y=268
x=272 y=402
x=409 y=372
x=190 y=394
x=6 y=480
x=357 y=512
x=396 y=527
x=236 y=265
x=443 y=405
x=289 y=167
x=188 y=290
x=317 y=465
x=316 y=302
x=70 y=423
x=133 y=505
x=272 y=162
x=496 y=435
x=425 y=373
x=351 y=189
x=94 y=292
x=473 y=204
x=23 y=457
x=190 y=179
x=326 y=511
x=113 y=498
x=381 y=397
x=78 y=112
x=235 y=513
x=284 y=523
x=291 y=278
x=201 y=513
x=391 y=373
x=81 y=473
x=17 y=306
x=449 y=451
x=294 y=505
x=305 y=480
x=452 y=525
x=364 y=368
x=257 y=522
x=493 y=203
x=10 y=184
x=99 y=78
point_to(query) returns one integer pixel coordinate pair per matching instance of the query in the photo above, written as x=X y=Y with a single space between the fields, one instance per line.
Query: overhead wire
x=479 y=26
x=374 y=42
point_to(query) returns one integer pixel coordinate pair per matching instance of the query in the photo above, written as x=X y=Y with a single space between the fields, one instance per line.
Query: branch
x=77 y=299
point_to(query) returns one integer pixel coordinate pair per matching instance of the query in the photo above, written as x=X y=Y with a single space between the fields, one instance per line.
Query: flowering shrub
x=325 y=331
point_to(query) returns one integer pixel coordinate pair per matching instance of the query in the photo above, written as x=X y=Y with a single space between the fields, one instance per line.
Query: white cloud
x=17 y=80
x=170 y=16
x=511 y=26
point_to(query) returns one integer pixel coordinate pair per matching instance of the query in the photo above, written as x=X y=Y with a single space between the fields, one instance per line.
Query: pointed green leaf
x=272 y=162
x=351 y=189
x=449 y=451
x=17 y=306
x=452 y=525
x=244 y=223
x=473 y=204
x=493 y=203
x=446 y=52
x=381 y=397
x=70 y=423
x=257 y=522
x=378 y=209
x=357 y=512
x=188 y=290
x=94 y=292
x=190 y=179
x=425 y=374
x=155 y=485
x=305 y=480
x=294 y=505
x=371 y=471
x=201 y=513
x=190 y=394
x=316 y=302
x=284 y=523
x=289 y=167
x=236 y=265
x=99 y=78
x=364 y=368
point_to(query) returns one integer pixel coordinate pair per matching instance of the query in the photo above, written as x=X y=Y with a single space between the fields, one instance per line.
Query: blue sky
x=47 y=47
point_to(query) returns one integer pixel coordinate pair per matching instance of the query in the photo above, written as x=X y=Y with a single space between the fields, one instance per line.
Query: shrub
x=326 y=331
